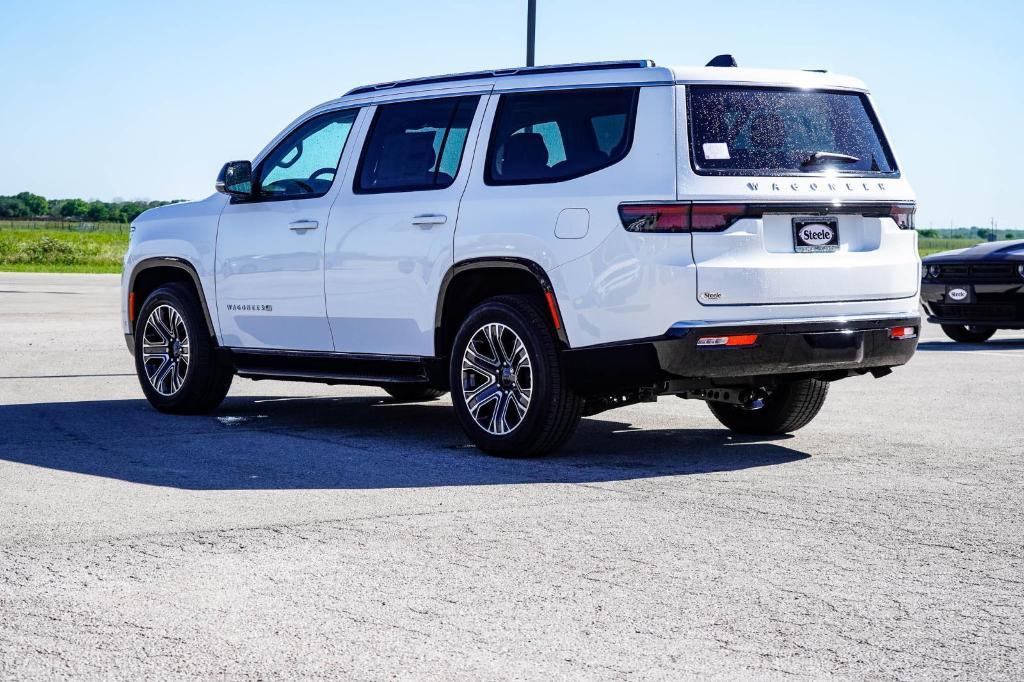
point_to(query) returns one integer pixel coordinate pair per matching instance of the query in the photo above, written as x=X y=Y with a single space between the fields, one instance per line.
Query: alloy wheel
x=165 y=350
x=497 y=378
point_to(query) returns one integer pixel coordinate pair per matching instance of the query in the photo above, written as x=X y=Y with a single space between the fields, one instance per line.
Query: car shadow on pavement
x=345 y=443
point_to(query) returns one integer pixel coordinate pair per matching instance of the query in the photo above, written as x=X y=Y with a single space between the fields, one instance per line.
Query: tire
x=791 y=407
x=968 y=334
x=201 y=387
x=413 y=393
x=492 y=380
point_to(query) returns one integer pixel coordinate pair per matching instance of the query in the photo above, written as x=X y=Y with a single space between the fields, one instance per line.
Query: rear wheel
x=508 y=385
x=788 y=408
x=968 y=333
x=413 y=393
x=175 y=357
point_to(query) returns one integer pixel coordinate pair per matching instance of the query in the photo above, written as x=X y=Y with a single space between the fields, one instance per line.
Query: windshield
x=740 y=130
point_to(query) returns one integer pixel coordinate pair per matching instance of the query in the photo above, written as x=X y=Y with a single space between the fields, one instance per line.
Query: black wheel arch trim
x=180 y=264
x=487 y=262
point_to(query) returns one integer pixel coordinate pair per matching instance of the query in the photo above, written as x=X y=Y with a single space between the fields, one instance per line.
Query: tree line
x=32 y=206
x=972 y=232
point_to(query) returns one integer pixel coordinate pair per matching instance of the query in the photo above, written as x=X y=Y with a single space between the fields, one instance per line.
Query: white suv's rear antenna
x=723 y=60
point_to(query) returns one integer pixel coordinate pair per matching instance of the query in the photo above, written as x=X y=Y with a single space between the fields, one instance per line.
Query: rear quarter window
x=743 y=130
x=541 y=137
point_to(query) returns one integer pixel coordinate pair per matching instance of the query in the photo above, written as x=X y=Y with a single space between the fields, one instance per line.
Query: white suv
x=545 y=243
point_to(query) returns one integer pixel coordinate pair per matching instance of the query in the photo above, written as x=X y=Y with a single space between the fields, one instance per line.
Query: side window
x=305 y=163
x=553 y=136
x=415 y=145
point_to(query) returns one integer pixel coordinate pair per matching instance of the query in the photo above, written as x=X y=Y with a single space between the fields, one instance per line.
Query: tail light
x=903 y=214
x=680 y=217
x=903 y=332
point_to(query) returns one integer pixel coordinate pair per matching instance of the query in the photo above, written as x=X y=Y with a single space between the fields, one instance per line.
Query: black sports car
x=973 y=292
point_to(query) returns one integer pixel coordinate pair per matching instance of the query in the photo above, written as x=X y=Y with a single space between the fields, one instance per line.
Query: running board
x=331 y=368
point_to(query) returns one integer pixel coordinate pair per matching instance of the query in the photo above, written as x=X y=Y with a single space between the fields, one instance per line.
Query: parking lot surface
x=306 y=530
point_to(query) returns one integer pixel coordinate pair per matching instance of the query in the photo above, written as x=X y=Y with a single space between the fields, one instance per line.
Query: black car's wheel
x=788 y=408
x=968 y=333
x=508 y=385
x=413 y=393
x=175 y=358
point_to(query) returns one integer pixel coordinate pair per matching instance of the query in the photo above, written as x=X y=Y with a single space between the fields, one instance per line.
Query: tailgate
x=798 y=257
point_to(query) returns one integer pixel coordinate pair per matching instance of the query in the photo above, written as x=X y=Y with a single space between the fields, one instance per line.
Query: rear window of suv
x=742 y=130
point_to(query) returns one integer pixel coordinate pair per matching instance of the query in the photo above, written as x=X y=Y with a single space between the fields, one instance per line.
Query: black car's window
x=304 y=164
x=553 y=136
x=415 y=145
x=757 y=131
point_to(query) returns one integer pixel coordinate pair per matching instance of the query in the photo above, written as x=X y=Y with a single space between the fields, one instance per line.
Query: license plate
x=960 y=294
x=815 y=235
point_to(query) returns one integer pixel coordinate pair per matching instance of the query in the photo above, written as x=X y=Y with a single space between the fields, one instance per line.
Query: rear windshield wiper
x=824 y=157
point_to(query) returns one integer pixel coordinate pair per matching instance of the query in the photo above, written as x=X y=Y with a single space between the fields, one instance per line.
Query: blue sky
x=147 y=100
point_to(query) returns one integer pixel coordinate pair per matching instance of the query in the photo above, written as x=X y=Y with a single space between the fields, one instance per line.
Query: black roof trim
x=497 y=73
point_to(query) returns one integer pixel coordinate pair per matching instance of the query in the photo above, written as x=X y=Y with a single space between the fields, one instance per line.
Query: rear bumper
x=830 y=348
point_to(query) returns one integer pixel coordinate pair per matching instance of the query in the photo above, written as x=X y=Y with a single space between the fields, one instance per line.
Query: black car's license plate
x=961 y=293
x=815 y=235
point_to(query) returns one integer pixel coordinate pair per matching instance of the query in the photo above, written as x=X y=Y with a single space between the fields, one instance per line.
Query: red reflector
x=903 y=332
x=131 y=306
x=553 y=307
x=738 y=340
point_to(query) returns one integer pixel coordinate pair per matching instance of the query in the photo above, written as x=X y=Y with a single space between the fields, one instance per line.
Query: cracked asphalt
x=311 y=531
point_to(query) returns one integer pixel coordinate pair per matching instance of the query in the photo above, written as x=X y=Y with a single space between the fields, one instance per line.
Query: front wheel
x=508 y=385
x=968 y=333
x=175 y=357
x=790 y=407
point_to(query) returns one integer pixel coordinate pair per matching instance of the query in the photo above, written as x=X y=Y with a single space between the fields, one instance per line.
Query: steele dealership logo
x=957 y=294
x=817 y=235
x=250 y=307
x=818 y=186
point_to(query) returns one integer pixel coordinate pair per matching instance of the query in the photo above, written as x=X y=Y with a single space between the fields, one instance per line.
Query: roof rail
x=498 y=73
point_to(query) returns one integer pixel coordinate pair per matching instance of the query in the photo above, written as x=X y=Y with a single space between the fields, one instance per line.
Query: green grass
x=929 y=245
x=39 y=250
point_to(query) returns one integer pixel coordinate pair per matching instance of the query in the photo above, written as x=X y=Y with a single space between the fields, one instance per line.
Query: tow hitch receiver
x=747 y=398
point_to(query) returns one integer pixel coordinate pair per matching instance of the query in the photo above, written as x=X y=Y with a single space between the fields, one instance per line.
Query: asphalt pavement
x=314 y=531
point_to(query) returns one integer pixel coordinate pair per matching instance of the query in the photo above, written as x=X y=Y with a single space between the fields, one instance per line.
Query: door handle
x=428 y=220
x=303 y=225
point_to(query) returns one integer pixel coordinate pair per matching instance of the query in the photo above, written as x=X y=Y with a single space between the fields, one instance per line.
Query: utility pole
x=531 y=30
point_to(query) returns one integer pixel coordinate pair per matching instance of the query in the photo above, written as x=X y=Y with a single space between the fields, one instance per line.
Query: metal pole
x=531 y=29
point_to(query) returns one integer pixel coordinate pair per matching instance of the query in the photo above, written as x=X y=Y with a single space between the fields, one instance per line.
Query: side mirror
x=235 y=179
